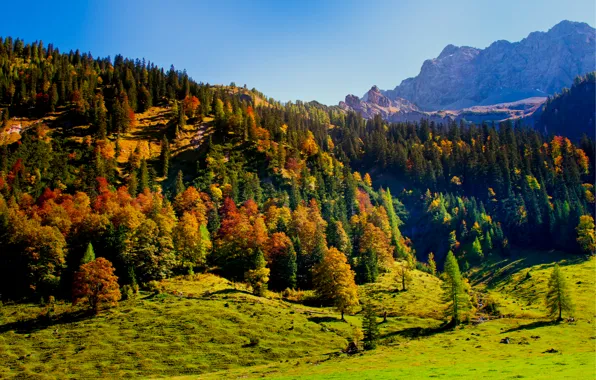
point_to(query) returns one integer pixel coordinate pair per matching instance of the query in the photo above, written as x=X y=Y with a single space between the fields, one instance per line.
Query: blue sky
x=308 y=50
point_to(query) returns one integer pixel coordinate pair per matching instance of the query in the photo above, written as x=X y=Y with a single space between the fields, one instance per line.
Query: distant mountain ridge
x=465 y=77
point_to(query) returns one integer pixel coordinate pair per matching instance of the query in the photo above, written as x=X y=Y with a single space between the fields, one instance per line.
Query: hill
x=572 y=112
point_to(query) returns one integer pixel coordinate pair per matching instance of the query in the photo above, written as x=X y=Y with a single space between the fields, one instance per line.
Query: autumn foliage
x=96 y=285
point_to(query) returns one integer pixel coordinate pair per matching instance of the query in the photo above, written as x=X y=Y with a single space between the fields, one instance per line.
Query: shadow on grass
x=419 y=332
x=225 y=292
x=324 y=319
x=531 y=326
x=495 y=273
x=42 y=322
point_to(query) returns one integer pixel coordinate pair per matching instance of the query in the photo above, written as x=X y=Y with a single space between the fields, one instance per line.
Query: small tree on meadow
x=333 y=280
x=404 y=275
x=258 y=277
x=96 y=284
x=454 y=290
x=558 y=299
x=370 y=327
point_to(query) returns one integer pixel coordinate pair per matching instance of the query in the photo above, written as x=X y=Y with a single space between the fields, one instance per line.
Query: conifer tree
x=370 y=327
x=432 y=265
x=89 y=255
x=454 y=292
x=259 y=276
x=180 y=183
x=165 y=156
x=144 y=177
x=558 y=299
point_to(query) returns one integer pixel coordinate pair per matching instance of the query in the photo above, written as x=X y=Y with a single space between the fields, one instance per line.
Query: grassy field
x=207 y=327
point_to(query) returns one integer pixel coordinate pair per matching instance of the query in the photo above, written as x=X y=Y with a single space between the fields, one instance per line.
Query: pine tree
x=432 y=265
x=558 y=299
x=144 y=177
x=454 y=292
x=259 y=276
x=165 y=156
x=89 y=255
x=180 y=183
x=370 y=327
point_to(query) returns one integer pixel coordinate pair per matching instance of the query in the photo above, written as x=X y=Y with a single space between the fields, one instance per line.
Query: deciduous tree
x=96 y=284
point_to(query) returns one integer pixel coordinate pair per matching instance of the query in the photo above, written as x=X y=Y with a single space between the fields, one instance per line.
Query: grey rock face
x=539 y=65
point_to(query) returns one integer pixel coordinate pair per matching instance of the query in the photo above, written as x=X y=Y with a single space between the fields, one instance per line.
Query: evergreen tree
x=432 y=265
x=370 y=327
x=180 y=183
x=165 y=156
x=144 y=177
x=89 y=255
x=558 y=299
x=259 y=276
x=454 y=292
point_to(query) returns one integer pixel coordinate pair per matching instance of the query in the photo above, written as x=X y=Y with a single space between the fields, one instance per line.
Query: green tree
x=370 y=327
x=165 y=156
x=259 y=276
x=144 y=180
x=89 y=255
x=558 y=299
x=454 y=291
x=432 y=265
x=180 y=183
x=586 y=234
x=404 y=276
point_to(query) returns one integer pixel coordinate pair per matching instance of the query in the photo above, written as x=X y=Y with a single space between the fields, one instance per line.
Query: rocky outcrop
x=539 y=65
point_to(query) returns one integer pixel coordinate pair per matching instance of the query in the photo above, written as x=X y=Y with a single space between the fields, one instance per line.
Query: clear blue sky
x=308 y=50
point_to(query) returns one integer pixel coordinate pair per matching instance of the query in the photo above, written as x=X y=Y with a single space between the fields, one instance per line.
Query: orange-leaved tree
x=96 y=284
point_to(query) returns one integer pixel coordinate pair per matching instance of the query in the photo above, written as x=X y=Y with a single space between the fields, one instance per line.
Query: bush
x=491 y=306
x=293 y=295
x=129 y=291
x=154 y=287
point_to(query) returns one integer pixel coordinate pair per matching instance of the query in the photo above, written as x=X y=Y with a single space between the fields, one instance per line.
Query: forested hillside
x=161 y=175
x=571 y=113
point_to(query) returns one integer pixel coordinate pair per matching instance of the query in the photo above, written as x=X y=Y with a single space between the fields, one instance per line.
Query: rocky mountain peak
x=537 y=66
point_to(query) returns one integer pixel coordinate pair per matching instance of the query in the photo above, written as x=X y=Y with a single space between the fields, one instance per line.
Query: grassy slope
x=475 y=351
x=202 y=326
x=203 y=330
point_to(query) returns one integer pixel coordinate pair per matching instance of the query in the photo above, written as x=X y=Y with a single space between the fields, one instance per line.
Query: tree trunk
x=342 y=315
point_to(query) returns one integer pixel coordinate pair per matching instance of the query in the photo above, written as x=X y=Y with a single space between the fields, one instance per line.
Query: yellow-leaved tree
x=333 y=280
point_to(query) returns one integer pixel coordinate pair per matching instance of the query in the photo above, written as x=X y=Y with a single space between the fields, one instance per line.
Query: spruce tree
x=454 y=292
x=89 y=255
x=165 y=156
x=144 y=176
x=558 y=298
x=180 y=183
x=370 y=327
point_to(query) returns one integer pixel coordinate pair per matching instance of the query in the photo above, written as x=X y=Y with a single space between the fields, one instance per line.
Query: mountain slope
x=543 y=63
x=571 y=113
